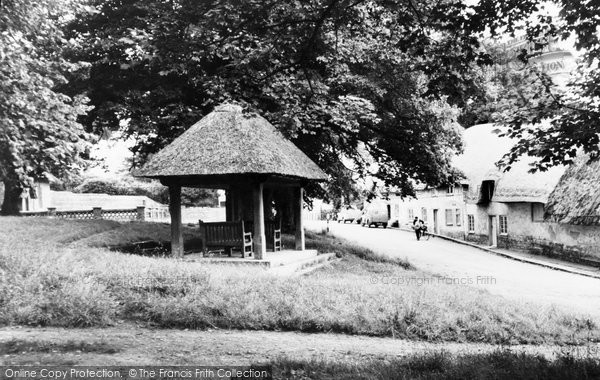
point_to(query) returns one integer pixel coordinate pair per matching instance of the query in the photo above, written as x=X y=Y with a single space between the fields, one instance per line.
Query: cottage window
x=449 y=217
x=471 y=221
x=450 y=189
x=487 y=191
x=458 y=217
x=411 y=214
x=424 y=214
x=537 y=212
x=503 y=222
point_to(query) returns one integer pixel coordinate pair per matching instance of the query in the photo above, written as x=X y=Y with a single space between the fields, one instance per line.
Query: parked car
x=349 y=214
x=375 y=216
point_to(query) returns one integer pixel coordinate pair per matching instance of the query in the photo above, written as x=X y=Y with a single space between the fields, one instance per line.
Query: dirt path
x=130 y=345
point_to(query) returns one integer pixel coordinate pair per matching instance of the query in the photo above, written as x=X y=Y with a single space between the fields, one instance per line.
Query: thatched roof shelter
x=230 y=142
x=243 y=154
x=576 y=198
x=483 y=148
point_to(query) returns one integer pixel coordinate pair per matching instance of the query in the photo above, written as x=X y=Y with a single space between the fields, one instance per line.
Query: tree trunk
x=12 y=199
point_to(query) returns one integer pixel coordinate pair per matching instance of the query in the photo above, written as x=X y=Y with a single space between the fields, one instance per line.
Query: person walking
x=417 y=224
x=422 y=227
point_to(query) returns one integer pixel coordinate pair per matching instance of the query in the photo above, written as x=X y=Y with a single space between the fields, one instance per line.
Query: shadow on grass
x=501 y=364
x=19 y=346
x=325 y=243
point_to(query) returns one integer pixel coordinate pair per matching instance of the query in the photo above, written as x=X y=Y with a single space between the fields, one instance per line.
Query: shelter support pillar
x=175 y=211
x=229 y=205
x=239 y=204
x=298 y=200
x=260 y=241
x=268 y=199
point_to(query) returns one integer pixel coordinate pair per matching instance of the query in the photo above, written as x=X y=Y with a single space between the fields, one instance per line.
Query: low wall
x=478 y=239
x=584 y=253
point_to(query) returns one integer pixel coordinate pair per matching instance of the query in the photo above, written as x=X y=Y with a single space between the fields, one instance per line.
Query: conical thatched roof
x=576 y=198
x=228 y=142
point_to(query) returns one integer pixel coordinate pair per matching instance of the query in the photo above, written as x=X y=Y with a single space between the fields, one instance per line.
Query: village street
x=460 y=263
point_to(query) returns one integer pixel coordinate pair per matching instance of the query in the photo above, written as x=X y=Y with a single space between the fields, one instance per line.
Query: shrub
x=440 y=365
x=153 y=190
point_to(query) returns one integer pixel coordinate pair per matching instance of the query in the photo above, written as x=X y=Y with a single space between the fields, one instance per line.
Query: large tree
x=40 y=133
x=549 y=122
x=363 y=87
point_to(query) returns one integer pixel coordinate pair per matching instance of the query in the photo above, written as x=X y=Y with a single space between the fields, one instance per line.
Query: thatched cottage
x=550 y=213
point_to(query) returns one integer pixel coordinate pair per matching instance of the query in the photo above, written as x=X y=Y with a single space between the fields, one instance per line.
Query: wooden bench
x=226 y=235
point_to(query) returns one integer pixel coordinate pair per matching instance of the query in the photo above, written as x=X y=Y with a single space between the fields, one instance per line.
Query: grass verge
x=47 y=282
x=18 y=346
x=502 y=364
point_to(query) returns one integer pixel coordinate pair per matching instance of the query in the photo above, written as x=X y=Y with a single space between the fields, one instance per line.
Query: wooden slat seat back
x=226 y=235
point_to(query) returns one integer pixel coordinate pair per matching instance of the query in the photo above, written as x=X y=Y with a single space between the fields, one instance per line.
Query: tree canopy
x=362 y=87
x=552 y=123
x=41 y=136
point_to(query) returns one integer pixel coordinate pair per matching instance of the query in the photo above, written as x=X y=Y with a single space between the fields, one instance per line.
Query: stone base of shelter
x=281 y=261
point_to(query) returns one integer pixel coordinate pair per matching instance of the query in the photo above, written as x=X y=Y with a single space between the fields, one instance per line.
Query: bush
x=153 y=190
x=499 y=364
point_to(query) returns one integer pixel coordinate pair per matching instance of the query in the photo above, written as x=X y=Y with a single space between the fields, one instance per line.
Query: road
x=499 y=275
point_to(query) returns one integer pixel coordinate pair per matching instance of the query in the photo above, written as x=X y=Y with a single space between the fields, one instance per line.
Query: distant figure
x=417 y=227
x=423 y=227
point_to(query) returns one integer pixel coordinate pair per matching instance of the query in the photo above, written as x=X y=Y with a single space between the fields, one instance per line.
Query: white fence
x=189 y=215
x=138 y=213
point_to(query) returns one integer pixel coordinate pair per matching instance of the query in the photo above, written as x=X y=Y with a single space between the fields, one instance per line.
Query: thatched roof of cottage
x=229 y=142
x=483 y=148
x=576 y=198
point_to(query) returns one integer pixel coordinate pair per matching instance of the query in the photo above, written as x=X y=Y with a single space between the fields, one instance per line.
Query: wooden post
x=268 y=203
x=175 y=210
x=141 y=213
x=97 y=212
x=298 y=200
x=260 y=241
x=239 y=205
x=229 y=206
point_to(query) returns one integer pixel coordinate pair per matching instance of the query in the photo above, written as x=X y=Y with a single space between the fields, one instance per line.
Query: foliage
x=40 y=133
x=550 y=122
x=153 y=190
x=442 y=365
x=362 y=87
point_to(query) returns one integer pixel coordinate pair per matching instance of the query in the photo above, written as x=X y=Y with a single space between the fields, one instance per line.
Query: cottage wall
x=564 y=241
x=38 y=198
x=424 y=207
x=525 y=230
x=570 y=242
x=479 y=234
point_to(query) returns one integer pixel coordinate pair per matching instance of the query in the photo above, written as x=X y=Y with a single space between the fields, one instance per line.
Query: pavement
x=516 y=279
x=548 y=262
